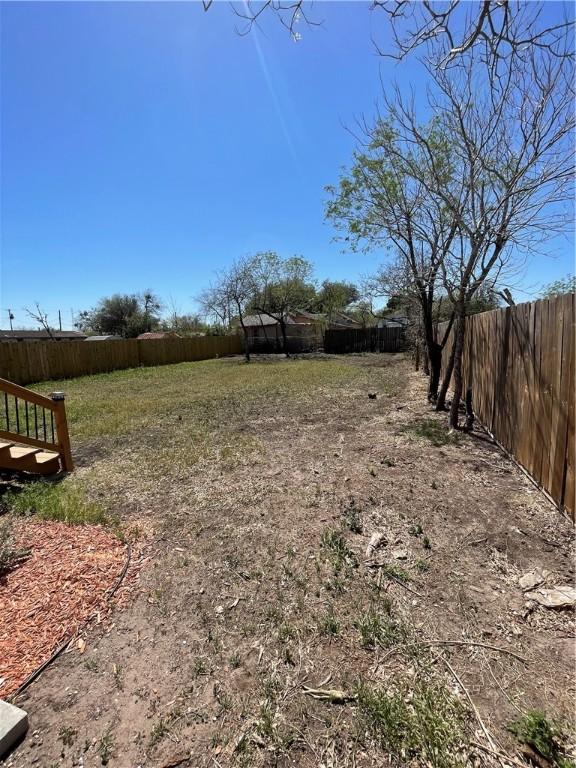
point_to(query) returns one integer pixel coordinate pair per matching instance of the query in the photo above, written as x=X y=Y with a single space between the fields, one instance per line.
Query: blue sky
x=144 y=145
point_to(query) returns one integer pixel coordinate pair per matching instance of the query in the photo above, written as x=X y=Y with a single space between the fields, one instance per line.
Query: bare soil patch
x=263 y=485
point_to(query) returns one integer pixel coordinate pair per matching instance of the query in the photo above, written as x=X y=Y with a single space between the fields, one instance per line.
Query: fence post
x=62 y=430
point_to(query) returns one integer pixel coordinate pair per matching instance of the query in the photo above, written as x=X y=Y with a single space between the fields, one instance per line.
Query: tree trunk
x=284 y=339
x=245 y=332
x=425 y=361
x=432 y=350
x=246 y=343
x=441 y=401
x=458 y=352
x=417 y=356
x=435 y=356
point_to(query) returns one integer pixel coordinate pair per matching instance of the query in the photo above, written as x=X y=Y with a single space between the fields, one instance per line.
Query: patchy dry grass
x=418 y=719
x=432 y=430
x=154 y=426
x=261 y=486
x=194 y=397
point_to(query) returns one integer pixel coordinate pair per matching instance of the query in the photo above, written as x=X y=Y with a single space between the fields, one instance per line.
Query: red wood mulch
x=47 y=598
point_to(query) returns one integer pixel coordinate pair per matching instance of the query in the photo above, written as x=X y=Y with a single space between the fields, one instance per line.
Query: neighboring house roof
x=314 y=316
x=110 y=337
x=334 y=325
x=259 y=320
x=40 y=335
x=159 y=335
x=386 y=323
x=343 y=319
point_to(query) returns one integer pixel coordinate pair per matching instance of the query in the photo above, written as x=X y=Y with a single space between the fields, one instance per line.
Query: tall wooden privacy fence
x=26 y=362
x=519 y=362
x=363 y=340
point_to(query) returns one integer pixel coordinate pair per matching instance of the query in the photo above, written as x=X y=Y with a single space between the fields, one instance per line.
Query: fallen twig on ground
x=424 y=643
x=332 y=695
x=405 y=586
x=454 y=674
x=498 y=754
x=477 y=644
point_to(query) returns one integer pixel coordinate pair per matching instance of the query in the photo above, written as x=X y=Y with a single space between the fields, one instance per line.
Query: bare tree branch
x=41 y=318
x=444 y=32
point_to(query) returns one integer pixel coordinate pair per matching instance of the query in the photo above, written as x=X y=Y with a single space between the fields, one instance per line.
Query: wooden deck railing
x=32 y=419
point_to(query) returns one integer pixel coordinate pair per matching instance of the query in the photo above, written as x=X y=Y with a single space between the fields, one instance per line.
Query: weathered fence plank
x=520 y=364
x=25 y=362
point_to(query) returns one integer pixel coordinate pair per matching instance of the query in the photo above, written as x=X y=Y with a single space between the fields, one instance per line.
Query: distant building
x=340 y=320
x=109 y=337
x=41 y=336
x=304 y=330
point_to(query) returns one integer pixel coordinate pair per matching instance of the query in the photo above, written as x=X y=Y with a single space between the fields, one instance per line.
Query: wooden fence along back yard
x=519 y=362
x=363 y=340
x=25 y=362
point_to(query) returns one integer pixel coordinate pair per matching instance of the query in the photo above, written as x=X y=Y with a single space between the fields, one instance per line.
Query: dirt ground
x=257 y=586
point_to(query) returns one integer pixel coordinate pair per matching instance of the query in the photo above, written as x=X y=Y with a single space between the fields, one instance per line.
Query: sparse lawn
x=433 y=430
x=258 y=488
x=203 y=395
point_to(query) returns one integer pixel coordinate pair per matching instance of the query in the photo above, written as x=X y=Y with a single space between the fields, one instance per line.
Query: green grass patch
x=380 y=628
x=421 y=566
x=420 y=721
x=396 y=572
x=65 y=502
x=416 y=530
x=545 y=736
x=329 y=624
x=352 y=517
x=433 y=431
x=337 y=551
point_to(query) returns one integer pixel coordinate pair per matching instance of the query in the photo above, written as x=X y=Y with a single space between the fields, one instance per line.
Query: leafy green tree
x=559 y=287
x=380 y=203
x=397 y=302
x=126 y=315
x=363 y=312
x=484 y=301
x=280 y=286
x=334 y=296
x=512 y=181
x=185 y=324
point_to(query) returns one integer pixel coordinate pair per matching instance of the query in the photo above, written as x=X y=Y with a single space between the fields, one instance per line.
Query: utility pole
x=59 y=320
x=10 y=318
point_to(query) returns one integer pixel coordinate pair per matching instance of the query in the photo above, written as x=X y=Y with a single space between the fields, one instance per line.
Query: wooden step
x=23 y=458
x=44 y=463
x=43 y=456
x=22 y=451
